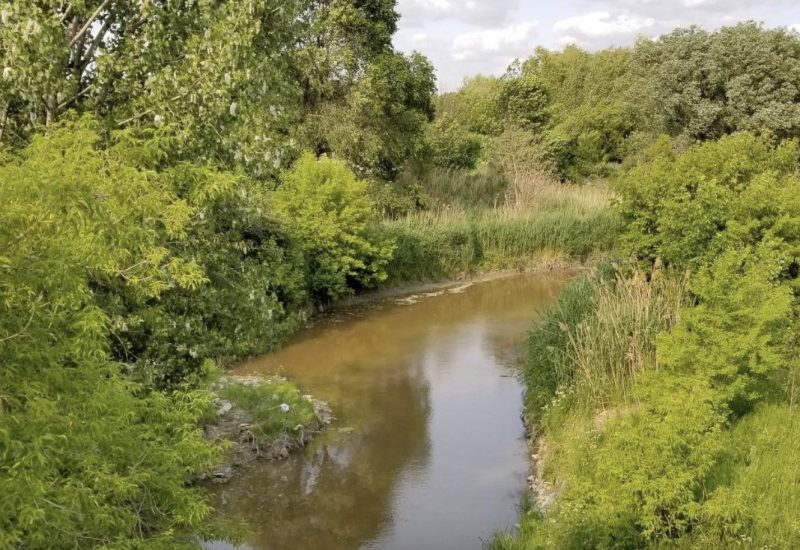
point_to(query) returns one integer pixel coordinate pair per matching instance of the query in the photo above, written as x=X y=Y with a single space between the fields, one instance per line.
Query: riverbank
x=564 y=230
x=565 y=222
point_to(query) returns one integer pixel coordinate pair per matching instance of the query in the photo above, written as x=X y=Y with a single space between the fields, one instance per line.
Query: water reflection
x=427 y=450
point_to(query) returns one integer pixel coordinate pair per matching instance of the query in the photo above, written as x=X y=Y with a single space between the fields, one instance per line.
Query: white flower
x=284 y=407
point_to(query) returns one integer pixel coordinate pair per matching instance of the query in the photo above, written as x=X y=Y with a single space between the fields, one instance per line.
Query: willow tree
x=88 y=458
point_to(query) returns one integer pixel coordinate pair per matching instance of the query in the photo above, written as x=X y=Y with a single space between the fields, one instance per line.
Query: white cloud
x=601 y=26
x=669 y=13
x=795 y=27
x=474 y=12
x=504 y=42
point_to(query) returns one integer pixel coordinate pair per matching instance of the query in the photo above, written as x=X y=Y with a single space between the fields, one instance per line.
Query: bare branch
x=87 y=56
x=65 y=14
x=70 y=100
x=3 y=119
x=88 y=23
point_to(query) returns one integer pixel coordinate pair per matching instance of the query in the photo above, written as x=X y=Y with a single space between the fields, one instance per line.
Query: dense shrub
x=331 y=215
x=652 y=465
x=88 y=458
x=687 y=208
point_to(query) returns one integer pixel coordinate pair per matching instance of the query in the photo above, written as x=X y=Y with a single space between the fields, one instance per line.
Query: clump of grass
x=274 y=406
x=456 y=187
x=617 y=342
x=757 y=501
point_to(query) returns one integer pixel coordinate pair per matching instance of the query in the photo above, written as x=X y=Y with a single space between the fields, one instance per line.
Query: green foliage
x=757 y=505
x=380 y=124
x=87 y=458
x=266 y=402
x=474 y=105
x=331 y=214
x=524 y=101
x=737 y=336
x=708 y=84
x=249 y=260
x=590 y=122
x=657 y=463
x=737 y=192
x=461 y=189
x=452 y=145
x=214 y=74
x=452 y=243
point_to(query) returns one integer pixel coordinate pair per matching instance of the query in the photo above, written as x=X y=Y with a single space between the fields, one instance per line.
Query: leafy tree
x=329 y=211
x=249 y=260
x=380 y=124
x=212 y=72
x=590 y=121
x=708 y=84
x=475 y=105
x=452 y=145
x=524 y=102
x=340 y=39
x=89 y=459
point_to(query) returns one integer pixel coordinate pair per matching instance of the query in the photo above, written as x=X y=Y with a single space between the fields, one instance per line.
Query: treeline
x=582 y=115
x=169 y=204
x=663 y=388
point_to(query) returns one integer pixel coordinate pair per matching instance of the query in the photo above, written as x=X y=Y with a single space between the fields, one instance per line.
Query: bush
x=88 y=458
x=452 y=146
x=253 y=295
x=687 y=208
x=331 y=215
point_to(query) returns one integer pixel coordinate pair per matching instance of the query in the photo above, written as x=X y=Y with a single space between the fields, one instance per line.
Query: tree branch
x=3 y=119
x=65 y=14
x=88 y=23
x=70 y=100
x=87 y=56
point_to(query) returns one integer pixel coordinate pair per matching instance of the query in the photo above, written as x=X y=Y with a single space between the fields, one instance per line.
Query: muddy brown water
x=427 y=450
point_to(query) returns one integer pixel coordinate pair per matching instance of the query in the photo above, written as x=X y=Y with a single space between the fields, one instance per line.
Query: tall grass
x=617 y=342
x=460 y=188
x=562 y=221
x=598 y=338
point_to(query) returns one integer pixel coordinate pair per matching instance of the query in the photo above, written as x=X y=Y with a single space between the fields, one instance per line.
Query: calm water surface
x=427 y=450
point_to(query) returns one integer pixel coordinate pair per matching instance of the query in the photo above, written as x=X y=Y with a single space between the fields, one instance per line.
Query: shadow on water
x=428 y=449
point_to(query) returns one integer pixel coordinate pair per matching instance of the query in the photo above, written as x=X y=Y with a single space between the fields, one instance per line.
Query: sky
x=467 y=37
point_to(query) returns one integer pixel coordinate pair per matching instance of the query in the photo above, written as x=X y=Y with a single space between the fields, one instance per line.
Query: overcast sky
x=467 y=37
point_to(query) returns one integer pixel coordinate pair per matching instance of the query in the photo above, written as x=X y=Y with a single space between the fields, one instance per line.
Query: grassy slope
x=591 y=373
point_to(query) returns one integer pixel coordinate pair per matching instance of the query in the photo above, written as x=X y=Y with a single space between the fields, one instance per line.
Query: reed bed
x=562 y=221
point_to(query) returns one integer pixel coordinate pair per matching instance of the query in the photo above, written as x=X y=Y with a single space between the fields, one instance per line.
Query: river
x=427 y=450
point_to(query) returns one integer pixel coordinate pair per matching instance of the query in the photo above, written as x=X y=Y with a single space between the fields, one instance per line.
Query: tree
x=88 y=458
x=707 y=84
x=380 y=124
x=213 y=72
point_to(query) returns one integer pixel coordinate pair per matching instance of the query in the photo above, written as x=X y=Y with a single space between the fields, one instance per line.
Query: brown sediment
x=407 y=292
